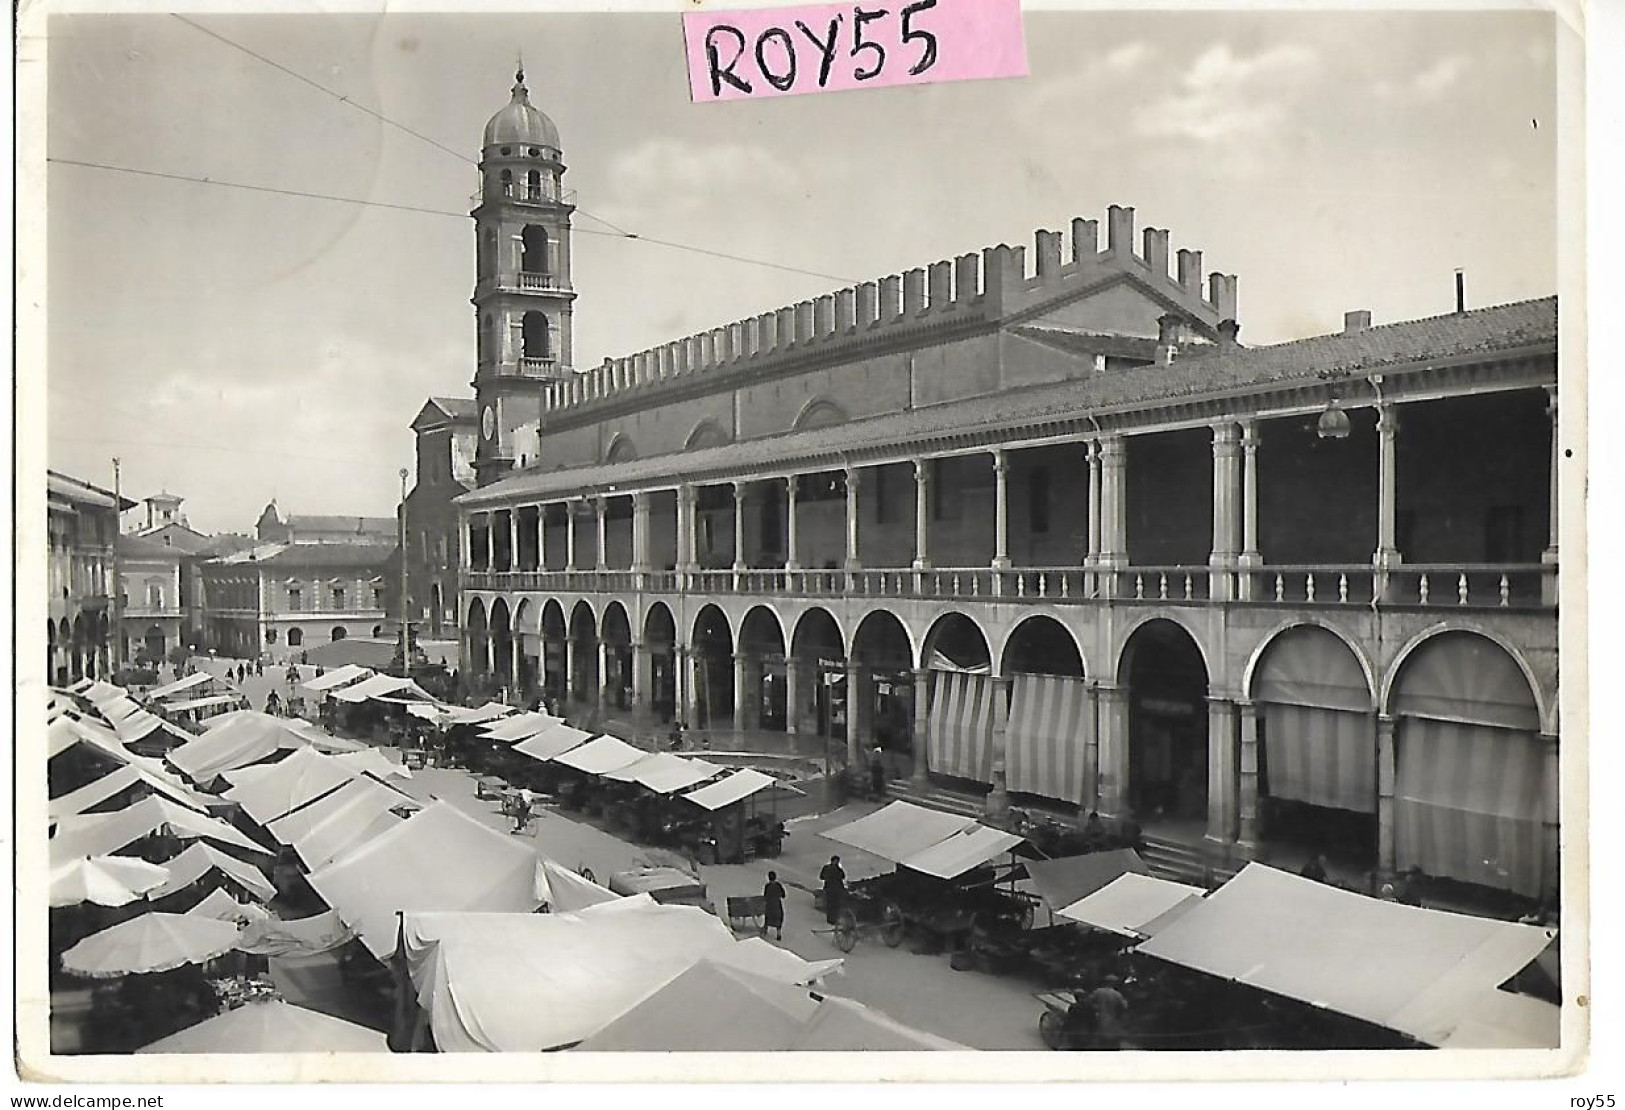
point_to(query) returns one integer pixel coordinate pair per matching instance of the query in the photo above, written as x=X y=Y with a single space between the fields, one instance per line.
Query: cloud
x=1223 y=96
x=1129 y=56
x=1441 y=75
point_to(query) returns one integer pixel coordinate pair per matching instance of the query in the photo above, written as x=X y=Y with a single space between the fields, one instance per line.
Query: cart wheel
x=1028 y=911
x=586 y=873
x=846 y=931
x=891 y=924
x=1052 y=1029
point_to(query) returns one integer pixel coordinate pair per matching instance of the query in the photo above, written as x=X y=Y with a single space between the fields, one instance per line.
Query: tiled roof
x=312 y=555
x=1213 y=372
x=1089 y=343
x=354 y=524
x=82 y=492
x=458 y=408
x=139 y=547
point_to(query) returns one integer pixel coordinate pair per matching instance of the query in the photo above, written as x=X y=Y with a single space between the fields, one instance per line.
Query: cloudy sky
x=237 y=346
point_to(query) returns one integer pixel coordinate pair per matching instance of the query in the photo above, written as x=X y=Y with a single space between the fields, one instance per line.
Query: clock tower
x=522 y=294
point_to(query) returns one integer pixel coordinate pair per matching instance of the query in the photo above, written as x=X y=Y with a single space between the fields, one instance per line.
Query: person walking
x=273 y=704
x=834 y=880
x=773 y=912
x=877 y=771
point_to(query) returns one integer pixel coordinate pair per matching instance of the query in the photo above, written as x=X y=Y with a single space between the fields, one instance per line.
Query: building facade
x=273 y=601
x=446 y=430
x=82 y=524
x=1049 y=526
x=272 y=527
x=153 y=605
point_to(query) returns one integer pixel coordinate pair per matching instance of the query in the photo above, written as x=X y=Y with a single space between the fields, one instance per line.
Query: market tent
x=270 y=1026
x=374 y=762
x=151 y=942
x=141 y=724
x=333 y=679
x=1134 y=905
x=296 y=825
x=379 y=685
x=562 y=976
x=149 y=772
x=245 y=738
x=665 y=773
x=962 y=851
x=1503 y=1020
x=198 y=860
x=437 y=859
x=223 y=907
x=200 y=703
x=81 y=686
x=600 y=756
x=490 y=711
x=552 y=741
x=99 y=692
x=319 y=738
x=101 y=834
x=92 y=793
x=296 y=939
x=1061 y=882
x=730 y=789
x=180 y=685
x=118 y=708
x=104 y=880
x=1420 y=971
x=629 y=772
x=565 y=891
x=841 y=1025
x=302 y=777
x=899 y=830
x=359 y=821
x=520 y=726
x=743 y=1013
x=757 y=956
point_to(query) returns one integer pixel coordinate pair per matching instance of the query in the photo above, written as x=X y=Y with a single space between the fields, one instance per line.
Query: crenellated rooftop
x=977 y=289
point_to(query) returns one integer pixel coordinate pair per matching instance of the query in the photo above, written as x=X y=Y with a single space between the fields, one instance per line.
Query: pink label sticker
x=828 y=47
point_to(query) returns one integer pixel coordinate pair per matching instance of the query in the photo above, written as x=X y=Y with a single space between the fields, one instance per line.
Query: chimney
x=1356 y=321
x=1461 y=291
x=1228 y=330
x=1168 y=328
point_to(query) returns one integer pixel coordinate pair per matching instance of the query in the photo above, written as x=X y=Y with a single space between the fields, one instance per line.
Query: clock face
x=488 y=422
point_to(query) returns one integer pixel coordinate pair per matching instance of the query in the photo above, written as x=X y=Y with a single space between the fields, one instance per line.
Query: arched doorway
x=1317 y=755
x=50 y=651
x=814 y=704
x=555 y=658
x=712 y=651
x=616 y=634
x=1166 y=686
x=528 y=639
x=584 y=676
x=152 y=645
x=1474 y=783
x=296 y=637
x=479 y=640
x=660 y=641
x=1050 y=749
x=883 y=703
x=761 y=700
x=960 y=701
x=501 y=642
x=340 y=632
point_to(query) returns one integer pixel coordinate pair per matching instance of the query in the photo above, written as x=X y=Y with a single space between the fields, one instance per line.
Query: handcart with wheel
x=747 y=914
x=865 y=915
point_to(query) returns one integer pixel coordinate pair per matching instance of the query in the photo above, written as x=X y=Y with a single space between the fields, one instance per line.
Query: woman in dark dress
x=773 y=915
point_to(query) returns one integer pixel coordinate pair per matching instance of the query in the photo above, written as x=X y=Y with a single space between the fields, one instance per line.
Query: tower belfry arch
x=522 y=293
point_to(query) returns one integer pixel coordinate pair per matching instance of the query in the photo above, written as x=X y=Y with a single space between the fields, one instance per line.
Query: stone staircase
x=1182 y=863
x=935 y=797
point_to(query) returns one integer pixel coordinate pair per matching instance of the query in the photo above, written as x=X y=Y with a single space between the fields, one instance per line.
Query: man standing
x=877 y=771
x=1109 y=1006
x=773 y=913
x=834 y=880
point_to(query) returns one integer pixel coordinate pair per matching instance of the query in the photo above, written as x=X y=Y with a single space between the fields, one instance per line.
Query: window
x=339 y=632
x=270 y=635
x=338 y=597
x=1038 y=500
x=296 y=600
x=296 y=636
x=155 y=596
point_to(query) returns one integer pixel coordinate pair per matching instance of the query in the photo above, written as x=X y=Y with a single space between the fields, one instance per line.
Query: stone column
x=642 y=676
x=853 y=561
x=466 y=536
x=1223 y=780
x=1548 y=582
x=792 y=695
x=1092 y=459
x=690 y=665
x=516 y=648
x=1387 y=773
x=922 y=725
x=792 y=556
x=600 y=507
x=541 y=537
x=606 y=654
x=739 y=529
x=640 y=532
x=1247 y=808
x=1001 y=511
x=1113 y=554
x=687 y=542
x=569 y=535
x=1250 y=559
x=742 y=691
x=1090 y=801
x=922 y=515
x=513 y=538
x=1222 y=558
x=1388 y=554
x=1550 y=843
x=857 y=716
x=571 y=650
x=997 y=804
x=1114 y=761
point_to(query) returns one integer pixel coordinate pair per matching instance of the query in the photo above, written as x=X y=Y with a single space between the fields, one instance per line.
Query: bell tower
x=522 y=293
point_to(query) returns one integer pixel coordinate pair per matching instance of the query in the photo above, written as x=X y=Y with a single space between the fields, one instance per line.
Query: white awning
x=376 y=763
x=198 y=860
x=1415 y=970
x=1134 y=905
x=490 y=711
x=899 y=830
x=381 y=684
x=246 y=738
x=136 y=726
x=345 y=819
x=169 y=689
x=100 y=834
x=665 y=773
x=601 y=756
x=99 y=692
x=736 y=787
x=1503 y=1020
x=552 y=742
x=337 y=677
x=302 y=777
x=520 y=727
x=959 y=853
x=200 y=703
x=93 y=792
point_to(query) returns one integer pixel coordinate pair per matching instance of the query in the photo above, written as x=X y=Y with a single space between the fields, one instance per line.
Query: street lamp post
x=118 y=581
x=406 y=658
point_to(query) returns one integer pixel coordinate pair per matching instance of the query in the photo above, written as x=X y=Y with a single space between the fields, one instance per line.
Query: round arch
x=475 y=617
x=527 y=617
x=620 y=449
x=815 y=630
x=1386 y=694
x=707 y=433
x=1165 y=681
x=762 y=648
x=819 y=412
x=959 y=640
x=1249 y=671
x=583 y=653
x=1171 y=616
x=711 y=646
x=501 y=626
x=659 y=626
x=660 y=641
x=1041 y=644
x=615 y=633
x=553 y=618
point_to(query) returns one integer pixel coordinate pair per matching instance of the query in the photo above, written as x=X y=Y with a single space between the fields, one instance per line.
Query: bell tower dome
x=522 y=295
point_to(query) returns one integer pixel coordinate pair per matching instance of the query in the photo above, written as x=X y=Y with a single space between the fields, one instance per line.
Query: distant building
x=277 y=599
x=81 y=526
x=447 y=430
x=166 y=524
x=272 y=527
x=154 y=609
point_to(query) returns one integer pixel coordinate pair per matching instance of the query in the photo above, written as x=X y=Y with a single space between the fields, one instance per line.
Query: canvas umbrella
x=151 y=942
x=271 y=1027
x=104 y=880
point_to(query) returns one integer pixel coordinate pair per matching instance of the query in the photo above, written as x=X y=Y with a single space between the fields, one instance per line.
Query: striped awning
x=961 y=717
x=1050 y=721
x=1323 y=757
